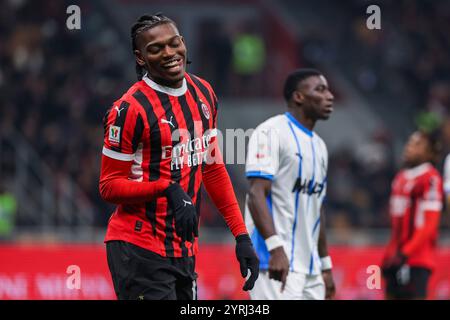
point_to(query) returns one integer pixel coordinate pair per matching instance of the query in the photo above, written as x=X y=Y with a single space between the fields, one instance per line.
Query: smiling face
x=314 y=96
x=162 y=52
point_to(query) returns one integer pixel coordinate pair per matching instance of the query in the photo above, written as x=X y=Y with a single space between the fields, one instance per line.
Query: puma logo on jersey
x=168 y=121
x=187 y=202
x=118 y=110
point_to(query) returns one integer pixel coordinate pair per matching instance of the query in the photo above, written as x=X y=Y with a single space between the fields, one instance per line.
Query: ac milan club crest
x=205 y=110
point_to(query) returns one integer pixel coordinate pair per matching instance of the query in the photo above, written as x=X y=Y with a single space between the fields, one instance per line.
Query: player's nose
x=168 y=52
x=329 y=96
x=408 y=147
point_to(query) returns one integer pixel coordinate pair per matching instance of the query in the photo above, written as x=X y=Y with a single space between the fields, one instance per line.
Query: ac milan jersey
x=415 y=193
x=166 y=133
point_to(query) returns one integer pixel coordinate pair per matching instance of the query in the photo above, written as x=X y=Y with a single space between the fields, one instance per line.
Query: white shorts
x=299 y=286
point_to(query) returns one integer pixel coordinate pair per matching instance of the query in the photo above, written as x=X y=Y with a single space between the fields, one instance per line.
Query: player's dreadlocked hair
x=146 y=22
x=435 y=143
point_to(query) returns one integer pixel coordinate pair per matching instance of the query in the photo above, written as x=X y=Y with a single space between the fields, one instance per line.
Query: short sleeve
x=263 y=153
x=123 y=129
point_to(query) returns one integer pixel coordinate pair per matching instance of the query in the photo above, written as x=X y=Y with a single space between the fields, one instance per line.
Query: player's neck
x=300 y=116
x=165 y=83
x=412 y=165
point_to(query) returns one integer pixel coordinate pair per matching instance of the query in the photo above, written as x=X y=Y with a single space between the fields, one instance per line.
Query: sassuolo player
x=287 y=169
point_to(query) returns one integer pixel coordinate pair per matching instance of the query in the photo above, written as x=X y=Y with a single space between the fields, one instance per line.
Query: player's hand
x=393 y=264
x=185 y=214
x=279 y=266
x=247 y=260
x=330 y=288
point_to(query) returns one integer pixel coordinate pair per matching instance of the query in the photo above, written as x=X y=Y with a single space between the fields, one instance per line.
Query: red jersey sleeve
x=218 y=183
x=123 y=130
x=115 y=187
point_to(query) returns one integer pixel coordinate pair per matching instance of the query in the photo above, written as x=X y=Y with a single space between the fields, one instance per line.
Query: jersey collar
x=413 y=173
x=298 y=124
x=167 y=90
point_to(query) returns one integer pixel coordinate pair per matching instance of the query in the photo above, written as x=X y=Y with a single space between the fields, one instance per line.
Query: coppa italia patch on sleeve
x=114 y=134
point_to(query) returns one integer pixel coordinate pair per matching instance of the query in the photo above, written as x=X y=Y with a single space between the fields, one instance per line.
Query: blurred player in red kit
x=160 y=146
x=415 y=207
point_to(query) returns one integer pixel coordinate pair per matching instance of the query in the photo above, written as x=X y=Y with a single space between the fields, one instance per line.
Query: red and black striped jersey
x=166 y=134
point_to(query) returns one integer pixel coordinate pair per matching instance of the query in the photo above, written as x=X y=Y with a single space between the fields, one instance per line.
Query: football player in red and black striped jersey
x=415 y=207
x=159 y=147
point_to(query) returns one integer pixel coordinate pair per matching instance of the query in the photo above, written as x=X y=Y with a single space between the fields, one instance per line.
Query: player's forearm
x=423 y=234
x=322 y=245
x=260 y=213
x=218 y=185
x=124 y=191
x=115 y=187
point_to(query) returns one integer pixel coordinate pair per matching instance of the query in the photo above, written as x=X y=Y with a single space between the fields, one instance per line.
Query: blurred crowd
x=56 y=84
x=406 y=61
x=409 y=55
x=403 y=70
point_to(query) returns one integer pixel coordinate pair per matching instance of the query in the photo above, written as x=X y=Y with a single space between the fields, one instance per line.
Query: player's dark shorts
x=414 y=288
x=140 y=274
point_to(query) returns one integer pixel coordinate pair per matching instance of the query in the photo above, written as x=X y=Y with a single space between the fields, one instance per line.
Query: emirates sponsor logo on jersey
x=114 y=134
x=190 y=152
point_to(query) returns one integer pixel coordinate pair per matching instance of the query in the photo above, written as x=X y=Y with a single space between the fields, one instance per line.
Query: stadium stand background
x=56 y=84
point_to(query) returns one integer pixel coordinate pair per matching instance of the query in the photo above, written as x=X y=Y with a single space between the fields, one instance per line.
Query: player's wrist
x=400 y=258
x=165 y=184
x=170 y=187
x=273 y=242
x=279 y=251
x=402 y=254
x=243 y=237
x=326 y=263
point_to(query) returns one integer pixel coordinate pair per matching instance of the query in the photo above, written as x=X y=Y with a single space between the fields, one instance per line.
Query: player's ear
x=185 y=50
x=139 y=58
x=184 y=43
x=298 y=97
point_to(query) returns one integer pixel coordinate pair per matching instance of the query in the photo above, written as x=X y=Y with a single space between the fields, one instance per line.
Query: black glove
x=186 y=224
x=247 y=260
x=395 y=263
